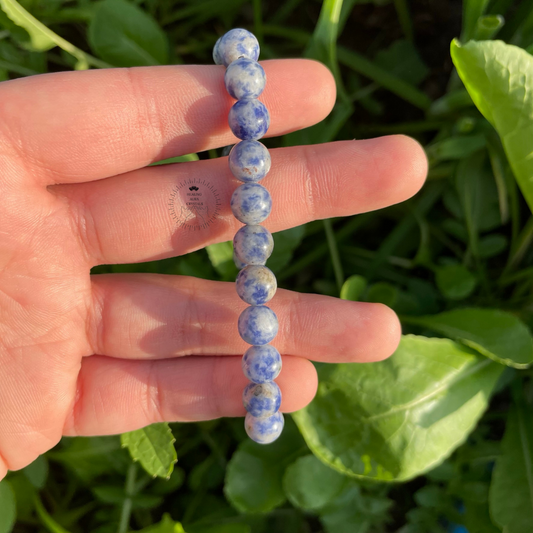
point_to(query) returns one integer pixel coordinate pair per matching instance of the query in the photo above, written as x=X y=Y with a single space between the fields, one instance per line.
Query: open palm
x=103 y=354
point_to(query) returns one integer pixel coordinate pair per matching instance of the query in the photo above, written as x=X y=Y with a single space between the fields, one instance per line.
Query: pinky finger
x=118 y=395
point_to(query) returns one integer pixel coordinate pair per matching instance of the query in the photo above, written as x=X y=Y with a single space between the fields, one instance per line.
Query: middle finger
x=129 y=218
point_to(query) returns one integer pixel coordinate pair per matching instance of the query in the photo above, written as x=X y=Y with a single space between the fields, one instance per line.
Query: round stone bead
x=258 y=325
x=251 y=203
x=217 y=58
x=253 y=245
x=238 y=263
x=249 y=161
x=234 y=44
x=249 y=119
x=256 y=284
x=261 y=364
x=245 y=78
x=264 y=430
x=262 y=400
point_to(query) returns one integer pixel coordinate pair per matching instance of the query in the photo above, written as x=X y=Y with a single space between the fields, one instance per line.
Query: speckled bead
x=253 y=245
x=258 y=325
x=261 y=364
x=264 y=430
x=249 y=161
x=238 y=263
x=245 y=78
x=262 y=399
x=234 y=44
x=251 y=203
x=249 y=119
x=256 y=284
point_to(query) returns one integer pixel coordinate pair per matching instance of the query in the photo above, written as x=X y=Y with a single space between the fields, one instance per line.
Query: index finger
x=81 y=126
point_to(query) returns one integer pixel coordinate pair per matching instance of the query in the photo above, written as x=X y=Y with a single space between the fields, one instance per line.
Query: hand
x=103 y=354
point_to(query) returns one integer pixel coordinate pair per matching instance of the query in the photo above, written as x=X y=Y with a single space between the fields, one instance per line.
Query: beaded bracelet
x=249 y=161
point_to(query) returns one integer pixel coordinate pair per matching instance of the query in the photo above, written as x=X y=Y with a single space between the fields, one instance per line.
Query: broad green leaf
x=353 y=288
x=37 y=472
x=124 y=35
x=310 y=484
x=285 y=242
x=401 y=417
x=383 y=293
x=499 y=78
x=496 y=334
x=455 y=282
x=153 y=447
x=511 y=491
x=255 y=472
x=221 y=257
x=492 y=245
x=8 y=509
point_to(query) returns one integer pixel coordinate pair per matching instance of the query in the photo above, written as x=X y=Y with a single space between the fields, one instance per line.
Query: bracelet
x=249 y=161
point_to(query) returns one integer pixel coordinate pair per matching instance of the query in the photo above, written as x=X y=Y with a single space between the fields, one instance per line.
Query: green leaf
x=255 y=472
x=285 y=242
x=402 y=59
x=511 y=491
x=153 y=447
x=495 y=334
x=221 y=257
x=492 y=245
x=167 y=525
x=37 y=472
x=124 y=35
x=310 y=484
x=383 y=293
x=499 y=78
x=8 y=509
x=398 y=418
x=353 y=288
x=455 y=282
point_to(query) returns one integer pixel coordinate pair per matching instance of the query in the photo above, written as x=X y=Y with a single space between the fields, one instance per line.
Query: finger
x=127 y=218
x=157 y=316
x=115 y=395
x=98 y=123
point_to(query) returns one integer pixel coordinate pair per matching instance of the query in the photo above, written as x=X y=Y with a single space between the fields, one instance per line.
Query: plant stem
x=334 y=252
x=125 y=514
x=404 y=17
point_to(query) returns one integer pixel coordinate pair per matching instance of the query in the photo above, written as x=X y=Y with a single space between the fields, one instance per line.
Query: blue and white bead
x=249 y=161
x=264 y=430
x=245 y=78
x=256 y=284
x=262 y=399
x=234 y=44
x=249 y=119
x=258 y=325
x=251 y=203
x=253 y=245
x=261 y=364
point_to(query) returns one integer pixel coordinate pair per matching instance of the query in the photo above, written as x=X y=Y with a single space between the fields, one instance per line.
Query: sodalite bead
x=264 y=430
x=249 y=119
x=238 y=263
x=249 y=161
x=253 y=245
x=251 y=203
x=258 y=325
x=245 y=78
x=262 y=400
x=256 y=284
x=261 y=364
x=234 y=44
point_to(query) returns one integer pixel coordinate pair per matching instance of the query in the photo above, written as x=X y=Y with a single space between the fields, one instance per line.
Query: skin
x=103 y=354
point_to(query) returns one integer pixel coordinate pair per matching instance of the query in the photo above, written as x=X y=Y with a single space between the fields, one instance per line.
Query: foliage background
x=439 y=437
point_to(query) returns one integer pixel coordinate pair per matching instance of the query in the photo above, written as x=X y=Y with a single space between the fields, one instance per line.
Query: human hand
x=102 y=354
